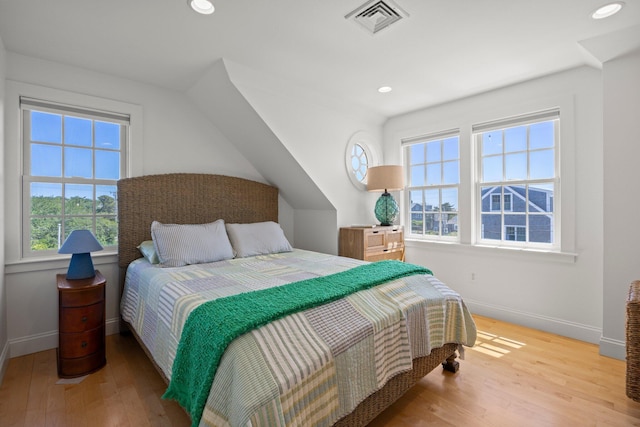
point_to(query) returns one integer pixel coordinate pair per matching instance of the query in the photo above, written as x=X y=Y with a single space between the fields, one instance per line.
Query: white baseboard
x=4 y=360
x=33 y=343
x=112 y=326
x=562 y=327
x=613 y=348
x=47 y=340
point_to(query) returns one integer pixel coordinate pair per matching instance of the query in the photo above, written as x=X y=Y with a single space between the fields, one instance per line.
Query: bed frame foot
x=451 y=364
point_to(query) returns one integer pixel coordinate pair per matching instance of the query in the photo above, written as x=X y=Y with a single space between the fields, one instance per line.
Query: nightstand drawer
x=81 y=365
x=81 y=344
x=82 y=297
x=82 y=319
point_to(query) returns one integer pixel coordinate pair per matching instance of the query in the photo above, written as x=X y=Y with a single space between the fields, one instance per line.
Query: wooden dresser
x=81 y=347
x=372 y=243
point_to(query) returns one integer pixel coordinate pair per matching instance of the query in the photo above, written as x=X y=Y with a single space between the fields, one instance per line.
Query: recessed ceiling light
x=204 y=7
x=384 y=89
x=607 y=10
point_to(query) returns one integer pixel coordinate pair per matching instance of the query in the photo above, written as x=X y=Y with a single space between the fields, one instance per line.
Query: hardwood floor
x=514 y=376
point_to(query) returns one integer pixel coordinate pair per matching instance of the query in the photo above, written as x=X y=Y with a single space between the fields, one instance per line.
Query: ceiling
x=444 y=49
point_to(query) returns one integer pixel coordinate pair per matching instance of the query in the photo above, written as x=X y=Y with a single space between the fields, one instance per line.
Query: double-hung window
x=518 y=180
x=433 y=178
x=73 y=158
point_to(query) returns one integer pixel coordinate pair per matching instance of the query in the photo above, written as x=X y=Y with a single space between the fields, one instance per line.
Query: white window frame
x=363 y=140
x=525 y=119
x=425 y=139
x=27 y=104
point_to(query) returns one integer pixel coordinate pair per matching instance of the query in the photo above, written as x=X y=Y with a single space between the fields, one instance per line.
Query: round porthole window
x=359 y=162
x=358 y=158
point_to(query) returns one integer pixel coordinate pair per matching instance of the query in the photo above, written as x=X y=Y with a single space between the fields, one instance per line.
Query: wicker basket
x=633 y=341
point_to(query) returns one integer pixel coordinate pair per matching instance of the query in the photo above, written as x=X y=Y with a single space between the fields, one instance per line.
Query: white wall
x=557 y=293
x=176 y=137
x=4 y=343
x=316 y=130
x=621 y=196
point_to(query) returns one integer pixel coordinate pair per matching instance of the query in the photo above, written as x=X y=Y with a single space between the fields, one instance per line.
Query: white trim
x=613 y=348
x=13 y=149
x=430 y=137
x=27 y=103
x=518 y=120
x=587 y=333
x=48 y=340
x=33 y=343
x=497 y=250
x=363 y=139
x=4 y=360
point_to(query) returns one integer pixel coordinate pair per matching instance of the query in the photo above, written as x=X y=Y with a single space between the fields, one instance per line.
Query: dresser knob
x=84 y=319
x=84 y=344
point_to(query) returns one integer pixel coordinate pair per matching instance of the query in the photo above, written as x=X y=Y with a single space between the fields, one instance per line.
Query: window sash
x=554 y=181
x=27 y=105
x=435 y=224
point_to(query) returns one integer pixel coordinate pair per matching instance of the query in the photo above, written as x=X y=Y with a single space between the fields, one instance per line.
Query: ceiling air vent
x=377 y=15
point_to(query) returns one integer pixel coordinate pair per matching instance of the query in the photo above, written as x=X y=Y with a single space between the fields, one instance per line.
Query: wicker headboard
x=186 y=198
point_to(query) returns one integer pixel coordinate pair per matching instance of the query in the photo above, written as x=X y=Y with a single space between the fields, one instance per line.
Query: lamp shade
x=385 y=178
x=80 y=244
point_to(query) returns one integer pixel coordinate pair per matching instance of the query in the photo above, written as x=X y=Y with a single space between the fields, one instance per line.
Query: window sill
x=488 y=250
x=55 y=263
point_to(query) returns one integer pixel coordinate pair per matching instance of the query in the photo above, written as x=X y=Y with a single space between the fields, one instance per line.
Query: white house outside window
x=73 y=158
x=517 y=164
x=433 y=177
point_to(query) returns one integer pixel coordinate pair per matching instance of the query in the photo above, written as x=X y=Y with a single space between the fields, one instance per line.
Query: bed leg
x=451 y=364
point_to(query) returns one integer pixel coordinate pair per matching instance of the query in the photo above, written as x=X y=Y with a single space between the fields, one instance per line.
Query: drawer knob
x=84 y=344
x=84 y=319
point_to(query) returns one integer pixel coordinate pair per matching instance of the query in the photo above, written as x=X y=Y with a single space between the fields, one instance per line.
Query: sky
x=63 y=146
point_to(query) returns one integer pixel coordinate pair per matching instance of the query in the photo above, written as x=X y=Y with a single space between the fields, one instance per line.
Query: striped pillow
x=184 y=244
x=258 y=238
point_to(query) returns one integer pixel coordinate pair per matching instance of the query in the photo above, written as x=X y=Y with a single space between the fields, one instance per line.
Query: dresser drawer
x=372 y=243
x=394 y=239
x=81 y=319
x=397 y=254
x=82 y=343
x=76 y=298
x=373 y=239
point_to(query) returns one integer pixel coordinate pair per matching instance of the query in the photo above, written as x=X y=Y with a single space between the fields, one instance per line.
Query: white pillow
x=183 y=244
x=258 y=238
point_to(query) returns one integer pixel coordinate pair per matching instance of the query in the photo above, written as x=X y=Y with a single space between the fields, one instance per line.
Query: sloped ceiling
x=240 y=123
x=443 y=50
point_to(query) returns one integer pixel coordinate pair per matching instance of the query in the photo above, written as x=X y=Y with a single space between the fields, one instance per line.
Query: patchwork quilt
x=308 y=368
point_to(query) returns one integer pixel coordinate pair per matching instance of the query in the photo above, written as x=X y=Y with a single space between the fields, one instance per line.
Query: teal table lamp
x=385 y=178
x=80 y=244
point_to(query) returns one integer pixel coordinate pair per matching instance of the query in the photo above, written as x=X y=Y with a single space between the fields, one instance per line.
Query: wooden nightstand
x=372 y=243
x=81 y=348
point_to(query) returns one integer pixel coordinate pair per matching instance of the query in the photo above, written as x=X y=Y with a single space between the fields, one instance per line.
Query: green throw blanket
x=212 y=326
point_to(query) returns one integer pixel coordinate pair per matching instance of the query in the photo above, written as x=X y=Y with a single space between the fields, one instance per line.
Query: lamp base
x=81 y=267
x=386 y=209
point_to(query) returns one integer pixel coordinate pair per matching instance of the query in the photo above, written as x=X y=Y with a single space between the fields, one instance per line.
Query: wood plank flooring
x=514 y=376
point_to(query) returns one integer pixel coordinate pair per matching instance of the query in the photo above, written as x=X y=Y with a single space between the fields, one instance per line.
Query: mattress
x=308 y=368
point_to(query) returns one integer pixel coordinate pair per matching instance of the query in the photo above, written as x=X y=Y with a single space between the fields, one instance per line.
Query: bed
x=266 y=376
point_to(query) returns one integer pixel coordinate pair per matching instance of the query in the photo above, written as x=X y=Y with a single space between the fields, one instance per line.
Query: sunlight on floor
x=495 y=345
